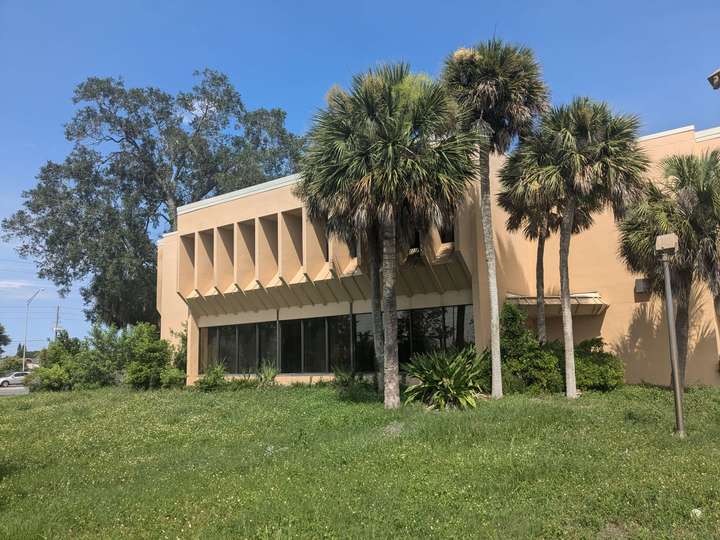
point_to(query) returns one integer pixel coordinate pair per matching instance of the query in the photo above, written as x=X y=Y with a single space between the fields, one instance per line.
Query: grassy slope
x=299 y=462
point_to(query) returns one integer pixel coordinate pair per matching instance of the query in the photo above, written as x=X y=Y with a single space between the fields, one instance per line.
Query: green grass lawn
x=300 y=462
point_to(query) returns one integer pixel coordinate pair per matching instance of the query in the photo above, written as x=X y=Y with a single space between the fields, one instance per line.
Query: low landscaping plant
x=53 y=378
x=352 y=386
x=172 y=377
x=213 y=379
x=447 y=379
x=266 y=375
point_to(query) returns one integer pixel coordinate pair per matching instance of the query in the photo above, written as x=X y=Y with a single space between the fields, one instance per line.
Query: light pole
x=714 y=80
x=666 y=246
x=27 y=319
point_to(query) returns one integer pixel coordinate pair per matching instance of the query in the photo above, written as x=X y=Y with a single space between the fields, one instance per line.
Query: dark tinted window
x=290 y=347
x=428 y=330
x=247 y=348
x=314 y=346
x=267 y=343
x=227 y=348
x=339 y=342
x=364 y=346
x=404 y=344
x=460 y=326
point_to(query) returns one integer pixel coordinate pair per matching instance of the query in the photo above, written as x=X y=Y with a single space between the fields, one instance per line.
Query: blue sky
x=649 y=58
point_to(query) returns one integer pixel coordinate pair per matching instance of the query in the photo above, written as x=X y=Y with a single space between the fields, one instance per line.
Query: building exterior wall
x=254 y=256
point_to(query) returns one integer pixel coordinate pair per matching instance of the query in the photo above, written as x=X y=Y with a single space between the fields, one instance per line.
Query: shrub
x=595 y=368
x=353 y=386
x=53 y=378
x=526 y=365
x=266 y=375
x=447 y=379
x=242 y=383
x=142 y=376
x=172 y=377
x=11 y=363
x=91 y=369
x=213 y=379
x=145 y=354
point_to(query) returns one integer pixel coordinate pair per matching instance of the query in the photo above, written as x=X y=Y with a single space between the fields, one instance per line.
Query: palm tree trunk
x=374 y=261
x=540 y=287
x=390 y=317
x=682 y=330
x=487 y=226
x=566 y=228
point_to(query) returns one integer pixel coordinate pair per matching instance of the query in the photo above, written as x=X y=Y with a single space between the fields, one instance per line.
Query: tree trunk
x=390 y=316
x=486 y=218
x=566 y=228
x=682 y=331
x=540 y=287
x=374 y=261
x=172 y=212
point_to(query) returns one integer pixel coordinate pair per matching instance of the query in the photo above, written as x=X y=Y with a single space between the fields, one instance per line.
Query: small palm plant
x=447 y=379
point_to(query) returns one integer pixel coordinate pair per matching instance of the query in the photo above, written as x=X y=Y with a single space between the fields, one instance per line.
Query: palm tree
x=528 y=209
x=385 y=154
x=501 y=87
x=588 y=160
x=687 y=203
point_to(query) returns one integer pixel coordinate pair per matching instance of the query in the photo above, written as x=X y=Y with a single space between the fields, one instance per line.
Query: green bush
x=266 y=375
x=172 y=377
x=146 y=356
x=526 y=365
x=595 y=368
x=213 y=379
x=53 y=378
x=141 y=376
x=91 y=369
x=447 y=379
x=11 y=363
x=242 y=383
x=353 y=386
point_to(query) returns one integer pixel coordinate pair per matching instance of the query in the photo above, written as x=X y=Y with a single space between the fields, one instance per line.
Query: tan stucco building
x=255 y=281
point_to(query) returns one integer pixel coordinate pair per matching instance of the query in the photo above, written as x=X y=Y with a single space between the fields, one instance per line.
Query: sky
x=651 y=58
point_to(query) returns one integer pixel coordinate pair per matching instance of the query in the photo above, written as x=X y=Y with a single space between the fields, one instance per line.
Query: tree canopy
x=137 y=154
x=4 y=339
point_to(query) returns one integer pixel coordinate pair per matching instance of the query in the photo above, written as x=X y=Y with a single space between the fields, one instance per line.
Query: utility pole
x=27 y=320
x=56 y=329
x=665 y=246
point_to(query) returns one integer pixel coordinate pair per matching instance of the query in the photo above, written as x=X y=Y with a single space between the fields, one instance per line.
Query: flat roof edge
x=666 y=133
x=707 y=134
x=239 y=194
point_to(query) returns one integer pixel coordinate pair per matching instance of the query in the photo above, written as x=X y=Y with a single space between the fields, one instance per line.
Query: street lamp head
x=714 y=80
x=666 y=244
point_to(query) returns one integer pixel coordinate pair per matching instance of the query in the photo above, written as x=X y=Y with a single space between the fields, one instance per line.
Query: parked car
x=14 y=378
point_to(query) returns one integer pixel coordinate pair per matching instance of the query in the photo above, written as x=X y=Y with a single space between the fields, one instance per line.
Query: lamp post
x=27 y=319
x=714 y=80
x=666 y=246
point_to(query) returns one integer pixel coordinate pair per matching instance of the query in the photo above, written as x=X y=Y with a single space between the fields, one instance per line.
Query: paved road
x=14 y=391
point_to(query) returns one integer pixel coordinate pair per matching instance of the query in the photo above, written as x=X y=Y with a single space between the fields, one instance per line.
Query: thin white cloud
x=15 y=284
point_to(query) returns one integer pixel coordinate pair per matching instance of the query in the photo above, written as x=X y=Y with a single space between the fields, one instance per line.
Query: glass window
x=211 y=348
x=267 y=343
x=428 y=330
x=290 y=347
x=404 y=344
x=247 y=348
x=339 y=342
x=460 y=326
x=227 y=348
x=364 y=345
x=314 y=346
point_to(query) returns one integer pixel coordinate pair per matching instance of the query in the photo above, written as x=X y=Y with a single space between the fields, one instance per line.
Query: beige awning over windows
x=590 y=303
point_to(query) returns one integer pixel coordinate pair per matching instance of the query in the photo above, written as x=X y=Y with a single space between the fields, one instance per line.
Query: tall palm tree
x=687 y=203
x=528 y=209
x=501 y=87
x=659 y=212
x=589 y=159
x=385 y=153
x=696 y=179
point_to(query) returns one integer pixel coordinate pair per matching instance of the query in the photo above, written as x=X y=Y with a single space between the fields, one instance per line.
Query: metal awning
x=582 y=304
